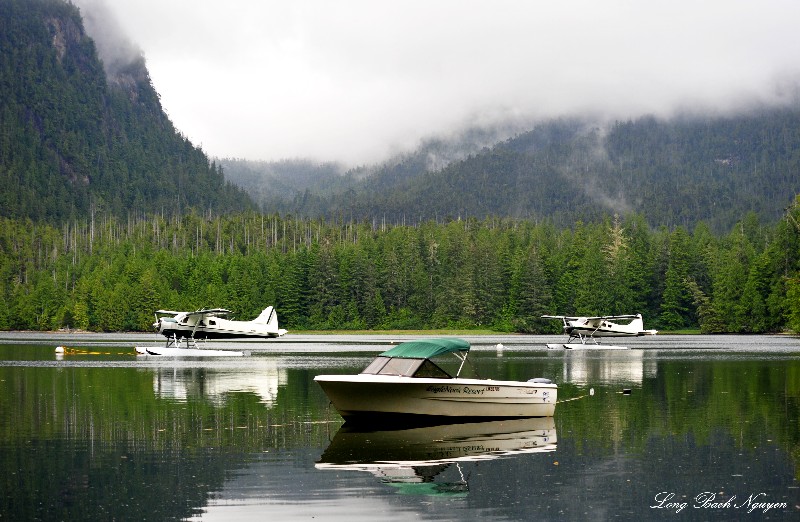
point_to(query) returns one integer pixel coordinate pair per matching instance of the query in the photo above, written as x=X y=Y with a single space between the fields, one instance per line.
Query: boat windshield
x=376 y=365
x=406 y=368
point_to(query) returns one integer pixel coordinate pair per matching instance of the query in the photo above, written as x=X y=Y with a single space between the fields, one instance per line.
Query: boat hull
x=362 y=395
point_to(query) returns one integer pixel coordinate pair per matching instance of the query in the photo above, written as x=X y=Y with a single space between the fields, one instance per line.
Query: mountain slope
x=73 y=141
x=674 y=172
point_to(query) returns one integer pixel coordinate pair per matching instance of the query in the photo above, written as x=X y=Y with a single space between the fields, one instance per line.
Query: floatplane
x=208 y=323
x=584 y=331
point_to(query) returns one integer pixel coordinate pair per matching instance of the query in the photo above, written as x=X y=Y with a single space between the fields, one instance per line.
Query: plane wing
x=205 y=312
x=167 y=312
x=594 y=318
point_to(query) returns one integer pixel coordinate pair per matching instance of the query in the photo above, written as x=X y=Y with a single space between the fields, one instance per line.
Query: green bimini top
x=427 y=348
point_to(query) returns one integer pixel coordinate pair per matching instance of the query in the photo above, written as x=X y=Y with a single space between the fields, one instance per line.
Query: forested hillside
x=107 y=213
x=674 y=172
x=74 y=141
x=312 y=188
x=497 y=273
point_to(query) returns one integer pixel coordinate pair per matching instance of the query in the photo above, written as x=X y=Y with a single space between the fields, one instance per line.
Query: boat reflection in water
x=411 y=458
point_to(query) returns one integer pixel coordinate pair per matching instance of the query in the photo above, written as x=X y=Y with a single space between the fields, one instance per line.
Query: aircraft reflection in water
x=214 y=385
x=411 y=458
x=602 y=367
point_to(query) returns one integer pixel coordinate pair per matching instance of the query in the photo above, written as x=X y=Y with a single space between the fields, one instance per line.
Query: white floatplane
x=208 y=323
x=586 y=330
x=405 y=382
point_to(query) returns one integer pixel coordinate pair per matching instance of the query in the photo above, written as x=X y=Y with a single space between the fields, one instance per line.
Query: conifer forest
x=109 y=274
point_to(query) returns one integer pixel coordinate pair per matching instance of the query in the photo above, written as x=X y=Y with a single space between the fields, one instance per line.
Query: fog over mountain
x=358 y=82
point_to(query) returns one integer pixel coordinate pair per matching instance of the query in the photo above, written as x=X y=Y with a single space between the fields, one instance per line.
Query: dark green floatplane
x=427 y=348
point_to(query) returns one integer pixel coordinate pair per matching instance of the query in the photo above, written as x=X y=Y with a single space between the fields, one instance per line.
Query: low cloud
x=114 y=48
x=356 y=81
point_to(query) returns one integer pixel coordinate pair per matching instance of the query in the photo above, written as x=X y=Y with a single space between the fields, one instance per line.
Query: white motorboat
x=405 y=381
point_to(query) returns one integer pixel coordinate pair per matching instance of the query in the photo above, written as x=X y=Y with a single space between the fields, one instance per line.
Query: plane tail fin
x=269 y=317
x=637 y=323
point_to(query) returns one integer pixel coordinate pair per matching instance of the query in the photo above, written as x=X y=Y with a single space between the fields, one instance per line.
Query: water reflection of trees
x=116 y=404
x=87 y=443
x=753 y=401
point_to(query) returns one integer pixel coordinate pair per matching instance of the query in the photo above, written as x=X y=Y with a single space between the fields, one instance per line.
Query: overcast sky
x=355 y=81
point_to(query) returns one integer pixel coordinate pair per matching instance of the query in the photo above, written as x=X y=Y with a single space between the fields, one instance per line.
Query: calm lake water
x=677 y=428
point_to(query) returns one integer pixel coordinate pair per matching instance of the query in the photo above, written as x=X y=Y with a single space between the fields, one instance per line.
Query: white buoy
x=60 y=349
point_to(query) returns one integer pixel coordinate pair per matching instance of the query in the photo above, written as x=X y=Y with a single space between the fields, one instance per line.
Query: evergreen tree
x=675 y=309
x=534 y=293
